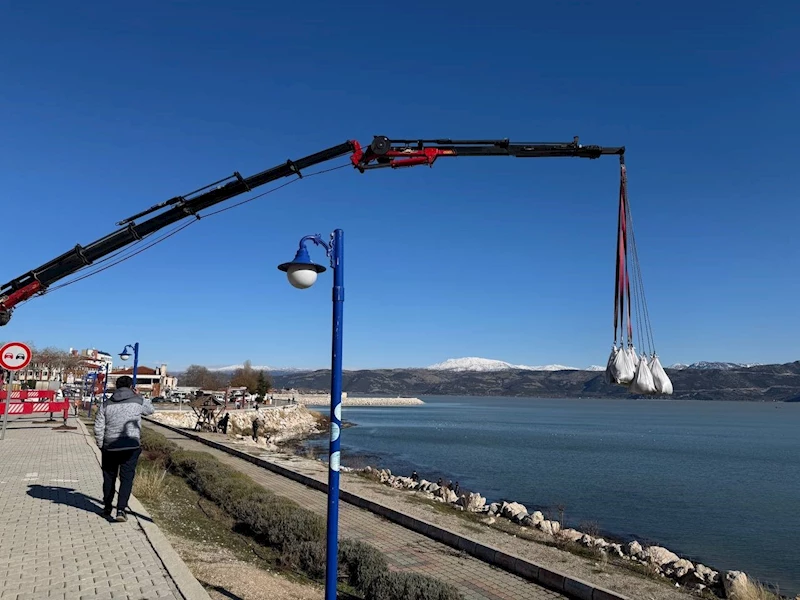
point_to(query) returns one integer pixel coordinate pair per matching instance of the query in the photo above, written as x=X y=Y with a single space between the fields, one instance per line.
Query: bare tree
x=246 y=377
x=73 y=364
x=48 y=359
x=198 y=376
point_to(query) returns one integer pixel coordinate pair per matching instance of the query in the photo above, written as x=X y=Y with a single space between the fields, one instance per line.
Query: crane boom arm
x=382 y=152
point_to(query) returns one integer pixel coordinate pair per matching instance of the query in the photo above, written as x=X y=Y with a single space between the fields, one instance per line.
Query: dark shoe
x=121 y=516
x=107 y=513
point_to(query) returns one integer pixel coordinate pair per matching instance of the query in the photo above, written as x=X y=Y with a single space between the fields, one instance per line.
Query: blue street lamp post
x=125 y=355
x=302 y=273
x=105 y=383
x=93 y=378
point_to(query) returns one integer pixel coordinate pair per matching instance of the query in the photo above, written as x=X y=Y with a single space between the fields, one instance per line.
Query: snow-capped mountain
x=473 y=363
x=273 y=370
x=709 y=365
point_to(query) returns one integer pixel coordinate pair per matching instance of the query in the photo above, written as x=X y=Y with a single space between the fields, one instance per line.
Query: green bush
x=273 y=520
x=409 y=586
x=360 y=563
x=155 y=446
x=308 y=557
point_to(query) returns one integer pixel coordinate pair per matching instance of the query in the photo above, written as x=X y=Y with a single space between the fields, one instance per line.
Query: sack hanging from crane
x=642 y=373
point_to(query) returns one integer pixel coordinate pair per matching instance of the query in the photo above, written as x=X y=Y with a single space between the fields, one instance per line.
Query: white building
x=150 y=382
x=43 y=376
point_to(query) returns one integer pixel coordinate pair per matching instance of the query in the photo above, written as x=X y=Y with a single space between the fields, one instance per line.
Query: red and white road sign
x=15 y=356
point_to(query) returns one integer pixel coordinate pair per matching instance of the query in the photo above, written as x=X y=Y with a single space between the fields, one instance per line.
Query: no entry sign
x=15 y=356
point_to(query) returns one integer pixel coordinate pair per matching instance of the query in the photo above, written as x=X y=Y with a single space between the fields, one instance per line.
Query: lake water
x=717 y=482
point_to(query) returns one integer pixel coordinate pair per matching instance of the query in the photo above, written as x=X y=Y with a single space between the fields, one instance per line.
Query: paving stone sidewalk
x=405 y=550
x=54 y=541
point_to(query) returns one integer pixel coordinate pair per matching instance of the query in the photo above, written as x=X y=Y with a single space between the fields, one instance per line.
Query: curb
x=187 y=584
x=549 y=578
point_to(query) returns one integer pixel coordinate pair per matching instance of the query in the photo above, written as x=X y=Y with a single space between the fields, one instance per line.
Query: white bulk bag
x=660 y=377
x=643 y=380
x=608 y=376
x=634 y=358
x=621 y=369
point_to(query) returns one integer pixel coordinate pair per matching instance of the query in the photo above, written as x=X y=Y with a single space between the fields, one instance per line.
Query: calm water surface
x=715 y=481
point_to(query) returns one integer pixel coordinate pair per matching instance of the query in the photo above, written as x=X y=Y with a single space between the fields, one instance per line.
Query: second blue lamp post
x=302 y=273
x=125 y=355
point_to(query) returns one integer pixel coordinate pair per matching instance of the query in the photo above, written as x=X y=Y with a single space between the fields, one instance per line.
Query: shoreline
x=629 y=553
x=677 y=576
x=306 y=443
x=586 y=564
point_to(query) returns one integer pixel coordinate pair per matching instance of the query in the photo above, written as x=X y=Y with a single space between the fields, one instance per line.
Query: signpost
x=14 y=356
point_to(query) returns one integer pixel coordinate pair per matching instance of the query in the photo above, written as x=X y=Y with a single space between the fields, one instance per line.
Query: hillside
x=765 y=383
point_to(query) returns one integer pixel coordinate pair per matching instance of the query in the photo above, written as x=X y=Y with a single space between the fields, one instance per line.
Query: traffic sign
x=15 y=356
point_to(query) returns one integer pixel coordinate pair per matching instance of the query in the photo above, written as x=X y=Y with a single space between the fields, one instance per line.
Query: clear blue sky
x=106 y=110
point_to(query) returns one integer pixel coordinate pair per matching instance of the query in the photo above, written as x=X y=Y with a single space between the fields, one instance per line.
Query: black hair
x=124 y=382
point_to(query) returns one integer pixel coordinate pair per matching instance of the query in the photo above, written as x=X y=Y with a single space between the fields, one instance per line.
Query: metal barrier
x=27 y=408
x=38 y=401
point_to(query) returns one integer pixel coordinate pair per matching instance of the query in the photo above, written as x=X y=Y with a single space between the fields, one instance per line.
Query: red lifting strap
x=623 y=198
x=622 y=287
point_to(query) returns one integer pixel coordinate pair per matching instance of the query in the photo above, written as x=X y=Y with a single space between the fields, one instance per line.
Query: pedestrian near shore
x=255 y=430
x=117 y=431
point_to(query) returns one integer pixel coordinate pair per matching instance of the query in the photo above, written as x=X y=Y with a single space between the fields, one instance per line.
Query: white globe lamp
x=301 y=272
x=301 y=276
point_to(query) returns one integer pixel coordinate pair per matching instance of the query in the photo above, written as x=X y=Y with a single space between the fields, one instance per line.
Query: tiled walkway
x=54 y=541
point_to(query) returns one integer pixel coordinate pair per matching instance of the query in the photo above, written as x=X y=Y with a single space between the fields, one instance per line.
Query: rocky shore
x=657 y=561
x=275 y=425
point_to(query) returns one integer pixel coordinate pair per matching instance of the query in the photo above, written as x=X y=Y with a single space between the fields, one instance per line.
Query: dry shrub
x=149 y=483
x=750 y=590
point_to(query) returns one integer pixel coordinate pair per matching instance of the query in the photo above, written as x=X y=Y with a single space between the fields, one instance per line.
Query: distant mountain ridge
x=477 y=364
x=474 y=363
x=706 y=365
x=763 y=383
x=271 y=370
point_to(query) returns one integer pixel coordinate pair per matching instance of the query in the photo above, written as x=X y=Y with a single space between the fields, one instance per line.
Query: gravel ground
x=216 y=567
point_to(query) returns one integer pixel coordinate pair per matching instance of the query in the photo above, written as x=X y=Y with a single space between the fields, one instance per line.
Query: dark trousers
x=122 y=464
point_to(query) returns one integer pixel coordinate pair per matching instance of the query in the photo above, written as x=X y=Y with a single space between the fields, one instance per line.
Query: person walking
x=223 y=423
x=117 y=431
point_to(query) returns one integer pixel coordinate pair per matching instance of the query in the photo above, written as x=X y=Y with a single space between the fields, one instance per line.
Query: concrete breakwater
x=325 y=400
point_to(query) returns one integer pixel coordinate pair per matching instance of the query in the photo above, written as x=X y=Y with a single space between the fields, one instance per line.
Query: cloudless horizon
x=107 y=111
